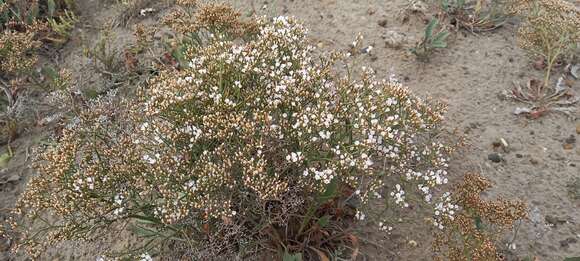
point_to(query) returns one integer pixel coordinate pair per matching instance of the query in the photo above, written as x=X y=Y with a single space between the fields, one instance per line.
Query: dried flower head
x=16 y=54
x=213 y=18
x=471 y=234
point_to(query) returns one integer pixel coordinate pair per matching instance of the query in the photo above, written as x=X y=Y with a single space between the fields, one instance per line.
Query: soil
x=470 y=75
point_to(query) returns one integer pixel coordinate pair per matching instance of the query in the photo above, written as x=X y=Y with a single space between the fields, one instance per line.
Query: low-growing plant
x=474 y=230
x=14 y=14
x=62 y=26
x=542 y=99
x=475 y=16
x=435 y=37
x=105 y=57
x=256 y=147
x=549 y=30
x=17 y=52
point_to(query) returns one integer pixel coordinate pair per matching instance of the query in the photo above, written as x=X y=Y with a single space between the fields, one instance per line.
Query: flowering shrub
x=550 y=29
x=251 y=133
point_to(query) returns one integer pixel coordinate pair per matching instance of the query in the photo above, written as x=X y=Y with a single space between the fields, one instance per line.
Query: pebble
x=569 y=142
x=501 y=144
x=495 y=157
x=383 y=23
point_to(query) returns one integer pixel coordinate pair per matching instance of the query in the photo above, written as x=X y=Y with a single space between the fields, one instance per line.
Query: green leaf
x=430 y=27
x=478 y=223
x=439 y=45
x=440 y=37
x=32 y=14
x=50 y=73
x=329 y=192
x=445 y=5
x=572 y=258
x=291 y=257
x=323 y=221
x=51 y=8
x=146 y=220
x=144 y=232
x=4 y=159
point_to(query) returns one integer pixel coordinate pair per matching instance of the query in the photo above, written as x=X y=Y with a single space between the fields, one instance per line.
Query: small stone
x=367 y=49
x=534 y=161
x=569 y=142
x=519 y=156
x=501 y=144
x=383 y=23
x=495 y=157
x=571 y=139
x=413 y=243
x=371 y=11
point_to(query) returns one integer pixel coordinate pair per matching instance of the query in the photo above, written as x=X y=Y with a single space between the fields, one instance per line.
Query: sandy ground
x=469 y=75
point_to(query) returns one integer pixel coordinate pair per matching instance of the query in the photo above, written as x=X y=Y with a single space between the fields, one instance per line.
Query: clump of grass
x=475 y=16
x=62 y=27
x=105 y=57
x=435 y=37
x=254 y=147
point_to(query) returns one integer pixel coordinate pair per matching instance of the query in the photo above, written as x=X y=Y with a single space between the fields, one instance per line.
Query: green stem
x=307 y=218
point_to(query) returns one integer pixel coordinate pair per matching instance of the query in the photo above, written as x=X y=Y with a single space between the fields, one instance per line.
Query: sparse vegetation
x=550 y=30
x=475 y=16
x=212 y=135
x=435 y=37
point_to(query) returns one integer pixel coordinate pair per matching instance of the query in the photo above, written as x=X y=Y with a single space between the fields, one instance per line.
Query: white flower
x=145 y=257
x=359 y=215
x=145 y=11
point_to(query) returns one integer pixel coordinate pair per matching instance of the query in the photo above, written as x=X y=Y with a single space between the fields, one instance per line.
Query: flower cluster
x=16 y=54
x=472 y=233
x=246 y=121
